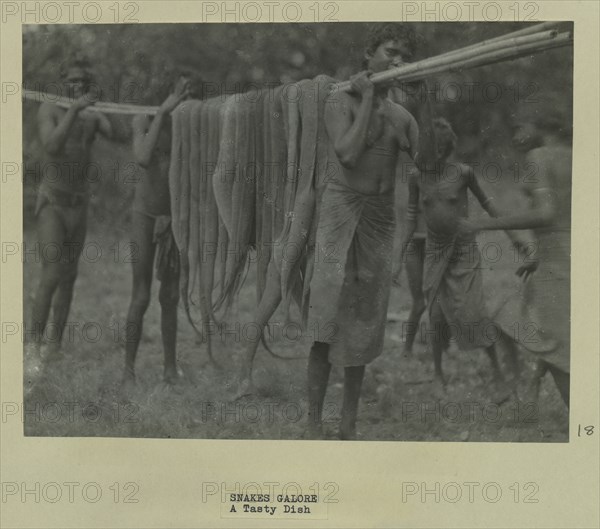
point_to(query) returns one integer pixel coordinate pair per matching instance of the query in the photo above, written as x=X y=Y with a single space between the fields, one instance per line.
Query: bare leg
x=437 y=341
x=493 y=356
x=541 y=368
x=415 y=255
x=51 y=235
x=169 y=299
x=562 y=380
x=60 y=309
x=353 y=378
x=64 y=293
x=267 y=306
x=317 y=378
x=508 y=345
x=142 y=230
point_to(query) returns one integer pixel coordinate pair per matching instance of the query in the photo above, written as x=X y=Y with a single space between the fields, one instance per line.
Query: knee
x=419 y=305
x=51 y=277
x=140 y=300
x=68 y=276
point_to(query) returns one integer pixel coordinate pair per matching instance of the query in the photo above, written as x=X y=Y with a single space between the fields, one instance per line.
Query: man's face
x=526 y=136
x=77 y=82
x=389 y=54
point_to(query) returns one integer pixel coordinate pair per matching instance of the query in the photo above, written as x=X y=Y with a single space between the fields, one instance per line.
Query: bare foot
x=172 y=376
x=501 y=391
x=54 y=353
x=347 y=433
x=128 y=383
x=439 y=388
x=313 y=431
x=245 y=388
x=32 y=366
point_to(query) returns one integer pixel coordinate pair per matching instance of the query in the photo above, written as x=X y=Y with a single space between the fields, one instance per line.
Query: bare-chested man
x=151 y=233
x=453 y=282
x=544 y=137
x=61 y=210
x=350 y=287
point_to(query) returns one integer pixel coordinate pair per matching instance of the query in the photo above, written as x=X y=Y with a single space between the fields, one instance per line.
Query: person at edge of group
x=453 y=280
x=413 y=263
x=544 y=302
x=61 y=209
x=350 y=289
x=151 y=231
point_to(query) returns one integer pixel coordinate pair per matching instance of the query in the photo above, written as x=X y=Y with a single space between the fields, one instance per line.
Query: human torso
x=444 y=197
x=152 y=187
x=68 y=170
x=386 y=136
x=555 y=239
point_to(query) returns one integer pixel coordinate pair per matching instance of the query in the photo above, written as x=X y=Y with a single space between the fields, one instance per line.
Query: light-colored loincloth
x=69 y=207
x=539 y=313
x=453 y=281
x=349 y=291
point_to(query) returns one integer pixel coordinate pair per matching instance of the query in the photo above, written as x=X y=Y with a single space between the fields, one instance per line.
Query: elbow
x=547 y=216
x=347 y=159
x=51 y=147
x=141 y=158
x=142 y=161
x=348 y=162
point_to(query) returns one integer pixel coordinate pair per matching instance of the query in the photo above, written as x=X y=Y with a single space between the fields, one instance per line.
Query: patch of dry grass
x=396 y=392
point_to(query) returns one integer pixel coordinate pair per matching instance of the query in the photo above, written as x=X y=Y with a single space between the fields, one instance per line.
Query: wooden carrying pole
x=534 y=39
x=491 y=57
x=500 y=49
x=100 y=106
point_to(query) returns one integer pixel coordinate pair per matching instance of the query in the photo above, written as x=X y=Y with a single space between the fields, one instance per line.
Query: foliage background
x=129 y=60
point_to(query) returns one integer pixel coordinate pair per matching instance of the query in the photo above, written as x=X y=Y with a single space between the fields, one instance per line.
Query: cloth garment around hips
x=70 y=208
x=453 y=281
x=350 y=287
x=539 y=314
x=167 y=253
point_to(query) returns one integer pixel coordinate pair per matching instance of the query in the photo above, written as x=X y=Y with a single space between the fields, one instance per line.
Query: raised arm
x=104 y=126
x=146 y=132
x=487 y=203
x=543 y=203
x=348 y=132
x=54 y=131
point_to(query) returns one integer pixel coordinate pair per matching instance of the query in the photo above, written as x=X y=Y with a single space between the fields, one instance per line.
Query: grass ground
x=80 y=395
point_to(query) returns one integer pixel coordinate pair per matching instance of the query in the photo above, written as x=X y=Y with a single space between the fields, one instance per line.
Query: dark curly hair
x=444 y=134
x=551 y=114
x=79 y=61
x=382 y=32
x=167 y=76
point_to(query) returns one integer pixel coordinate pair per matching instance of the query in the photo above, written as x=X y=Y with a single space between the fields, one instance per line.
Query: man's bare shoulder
x=340 y=101
x=50 y=110
x=397 y=111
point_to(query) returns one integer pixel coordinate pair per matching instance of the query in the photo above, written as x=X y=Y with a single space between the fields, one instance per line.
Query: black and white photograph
x=298 y=231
